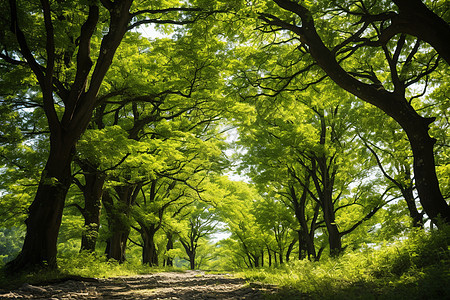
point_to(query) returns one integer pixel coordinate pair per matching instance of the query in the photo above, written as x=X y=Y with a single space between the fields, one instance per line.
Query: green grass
x=81 y=265
x=416 y=268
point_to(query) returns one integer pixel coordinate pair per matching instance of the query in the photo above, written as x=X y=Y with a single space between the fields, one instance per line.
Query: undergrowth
x=85 y=264
x=415 y=268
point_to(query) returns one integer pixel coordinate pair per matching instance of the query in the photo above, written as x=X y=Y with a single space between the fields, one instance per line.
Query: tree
x=275 y=219
x=201 y=224
x=234 y=203
x=400 y=61
x=302 y=147
x=396 y=166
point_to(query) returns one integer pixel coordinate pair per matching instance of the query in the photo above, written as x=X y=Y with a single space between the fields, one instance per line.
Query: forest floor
x=167 y=285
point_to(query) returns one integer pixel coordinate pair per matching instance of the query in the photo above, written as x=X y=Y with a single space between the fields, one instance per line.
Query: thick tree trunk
x=92 y=192
x=149 y=253
x=305 y=235
x=116 y=246
x=302 y=252
x=45 y=213
x=417 y=20
x=119 y=231
x=334 y=240
x=192 y=261
x=334 y=236
x=309 y=245
x=256 y=260
x=427 y=184
x=190 y=249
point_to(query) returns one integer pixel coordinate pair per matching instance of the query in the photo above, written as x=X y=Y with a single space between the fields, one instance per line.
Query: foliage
x=415 y=268
x=11 y=240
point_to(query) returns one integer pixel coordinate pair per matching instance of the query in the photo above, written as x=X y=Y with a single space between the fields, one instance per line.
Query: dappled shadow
x=192 y=285
x=171 y=285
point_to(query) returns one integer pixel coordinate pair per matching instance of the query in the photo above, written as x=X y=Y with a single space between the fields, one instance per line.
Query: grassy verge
x=416 y=268
x=86 y=265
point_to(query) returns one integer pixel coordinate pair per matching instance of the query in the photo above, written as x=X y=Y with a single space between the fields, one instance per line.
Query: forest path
x=167 y=285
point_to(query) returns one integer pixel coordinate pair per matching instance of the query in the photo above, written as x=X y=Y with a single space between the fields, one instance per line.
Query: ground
x=169 y=285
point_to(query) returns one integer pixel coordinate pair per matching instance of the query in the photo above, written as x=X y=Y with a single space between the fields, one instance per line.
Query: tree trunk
x=119 y=230
x=301 y=245
x=416 y=19
x=305 y=235
x=116 y=246
x=149 y=253
x=290 y=248
x=92 y=192
x=256 y=260
x=192 y=260
x=45 y=213
x=427 y=184
x=169 y=246
x=250 y=263
x=189 y=247
x=262 y=257
x=417 y=220
x=334 y=236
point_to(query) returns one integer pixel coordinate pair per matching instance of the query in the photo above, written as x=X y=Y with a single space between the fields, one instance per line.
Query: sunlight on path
x=170 y=285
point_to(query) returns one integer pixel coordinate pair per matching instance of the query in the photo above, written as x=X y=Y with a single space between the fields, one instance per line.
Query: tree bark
x=325 y=186
x=92 y=192
x=416 y=19
x=149 y=253
x=290 y=248
x=262 y=257
x=45 y=213
x=427 y=184
x=116 y=246
x=305 y=234
x=417 y=220
x=191 y=252
x=334 y=236
x=169 y=246
x=119 y=229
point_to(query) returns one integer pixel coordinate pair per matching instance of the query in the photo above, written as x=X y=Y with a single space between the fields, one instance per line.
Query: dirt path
x=170 y=285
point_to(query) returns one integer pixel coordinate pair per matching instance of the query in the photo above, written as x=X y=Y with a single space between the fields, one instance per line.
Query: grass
x=416 y=268
x=87 y=265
